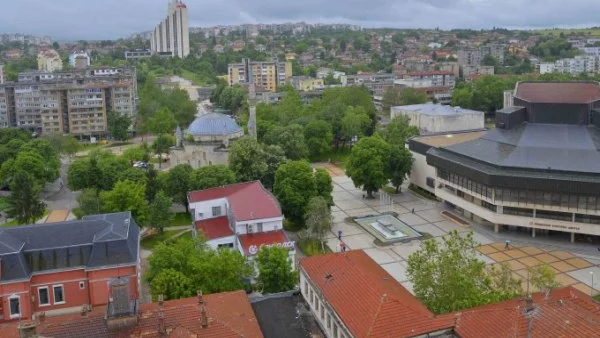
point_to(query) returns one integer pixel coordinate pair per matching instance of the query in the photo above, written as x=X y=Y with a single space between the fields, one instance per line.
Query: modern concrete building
x=49 y=61
x=74 y=101
x=433 y=118
x=266 y=74
x=56 y=268
x=172 y=34
x=243 y=216
x=538 y=171
x=79 y=60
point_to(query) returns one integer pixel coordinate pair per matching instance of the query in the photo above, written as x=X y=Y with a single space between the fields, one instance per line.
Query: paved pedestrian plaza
x=425 y=216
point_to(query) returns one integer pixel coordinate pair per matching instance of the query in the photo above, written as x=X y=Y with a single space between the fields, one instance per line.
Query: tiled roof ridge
x=267 y=192
x=382 y=300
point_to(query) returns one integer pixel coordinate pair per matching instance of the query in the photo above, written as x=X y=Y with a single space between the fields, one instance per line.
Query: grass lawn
x=312 y=247
x=389 y=190
x=597 y=297
x=339 y=157
x=3 y=203
x=117 y=144
x=181 y=218
x=196 y=80
x=14 y=223
x=153 y=240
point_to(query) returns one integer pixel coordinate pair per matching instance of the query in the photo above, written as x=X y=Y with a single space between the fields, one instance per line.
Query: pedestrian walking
x=413 y=210
x=507 y=245
x=343 y=246
x=340 y=235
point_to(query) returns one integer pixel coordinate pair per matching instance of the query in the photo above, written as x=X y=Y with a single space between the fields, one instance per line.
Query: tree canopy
x=275 y=270
x=367 y=163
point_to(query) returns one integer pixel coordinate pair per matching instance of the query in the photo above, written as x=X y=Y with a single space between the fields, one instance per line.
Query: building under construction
x=69 y=102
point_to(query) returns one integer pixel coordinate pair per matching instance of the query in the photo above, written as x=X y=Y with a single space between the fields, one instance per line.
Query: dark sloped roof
x=558 y=92
x=559 y=147
x=93 y=242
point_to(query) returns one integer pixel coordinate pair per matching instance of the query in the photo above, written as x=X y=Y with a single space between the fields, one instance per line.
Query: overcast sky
x=111 y=19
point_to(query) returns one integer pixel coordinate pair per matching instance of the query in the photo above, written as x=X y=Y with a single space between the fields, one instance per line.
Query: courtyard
x=424 y=216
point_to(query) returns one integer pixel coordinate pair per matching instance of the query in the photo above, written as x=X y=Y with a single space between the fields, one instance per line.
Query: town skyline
x=409 y=14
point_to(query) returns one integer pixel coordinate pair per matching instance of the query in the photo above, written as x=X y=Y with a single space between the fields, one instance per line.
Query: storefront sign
x=253 y=249
x=555 y=226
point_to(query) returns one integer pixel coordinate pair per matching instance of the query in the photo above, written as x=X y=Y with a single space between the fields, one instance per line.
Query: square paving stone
x=431 y=215
x=405 y=250
x=397 y=271
x=499 y=257
x=430 y=229
x=546 y=258
x=412 y=219
x=481 y=239
x=515 y=265
x=579 y=263
x=342 y=196
x=382 y=256
x=530 y=250
x=347 y=205
x=561 y=254
x=486 y=249
x=530 y=261
x=523 y=273
x=347 y=229
x=484 y=258
x=515 y=253
x=562 y=266
x=450 y=226
x=355 y=242
x=499 y=246
x=584 y=276
x=361 y=212
x=565 y=280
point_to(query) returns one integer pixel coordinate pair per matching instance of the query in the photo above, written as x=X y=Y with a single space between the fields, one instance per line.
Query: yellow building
x=266 y=74
x=307 y=84
x=49 y=61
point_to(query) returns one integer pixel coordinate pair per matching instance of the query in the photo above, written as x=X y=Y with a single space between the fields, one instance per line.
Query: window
x=328 y=321
x=15 y=306
x=227 y=245
x=335 y=330
x=59 y=296
x=81 y=285
x=306 y=288
x=259 y=227
x=43 y=296
x=216 y=211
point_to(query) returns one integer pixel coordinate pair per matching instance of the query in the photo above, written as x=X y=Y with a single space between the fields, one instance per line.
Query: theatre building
x=243 y=217
x=57 y=268
x=538 y=170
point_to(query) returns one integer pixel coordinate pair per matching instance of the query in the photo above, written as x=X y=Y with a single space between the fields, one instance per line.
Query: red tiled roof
x=248 y=200
x=262 y=238
x=229 y=315
x=558 y=92
x=566 y=313
x=214 y=227
x=369 y=301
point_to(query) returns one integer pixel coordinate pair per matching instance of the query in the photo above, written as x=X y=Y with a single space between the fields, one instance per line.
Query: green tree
x=447 y=276
x=118 y=125
x=318 y=219
x=542 y=277
x=247 y=160
x=504 y=281
x=163 y=122
x=89 y=203
x=127 y=196
x=211 y=176
x=398 y=131
x=275 y=271
x=399 y=165
x=354 y=123
x=177 y=184
x=141 y=153
x=367 y=164
x=463 y=96
x=274 y=157
x=324 y=185
x=291 y=139
x=182 y=268
x=24 y=202
x=153 y=185
x=100 y=171
x=294 y=187
x=160 y=211
x=161 y=145
x=51 y=161
x=319 y=136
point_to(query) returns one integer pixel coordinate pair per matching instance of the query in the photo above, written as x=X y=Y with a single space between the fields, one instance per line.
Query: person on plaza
x=507 y=245
x=343 y=246
x=413 y=210
x=340 y=235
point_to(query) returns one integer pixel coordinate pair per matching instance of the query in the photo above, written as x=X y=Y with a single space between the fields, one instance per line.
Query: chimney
x=161 y=322
x=528 y=304
x=200 y=298
x=27 y=330
x=203 y=317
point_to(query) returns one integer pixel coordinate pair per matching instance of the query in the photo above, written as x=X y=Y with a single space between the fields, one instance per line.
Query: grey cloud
x=108 y=19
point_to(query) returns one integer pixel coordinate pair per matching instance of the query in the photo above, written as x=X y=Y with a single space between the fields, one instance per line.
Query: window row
x=563 y=200
x=478 y=188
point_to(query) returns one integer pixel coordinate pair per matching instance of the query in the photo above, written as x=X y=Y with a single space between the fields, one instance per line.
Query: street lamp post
x=592 y=288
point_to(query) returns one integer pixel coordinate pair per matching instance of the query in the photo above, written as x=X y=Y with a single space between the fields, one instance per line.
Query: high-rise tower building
x=172 y=34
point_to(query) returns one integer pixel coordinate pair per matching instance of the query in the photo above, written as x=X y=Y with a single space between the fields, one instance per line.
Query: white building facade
x=172 y=34
x=433 y=118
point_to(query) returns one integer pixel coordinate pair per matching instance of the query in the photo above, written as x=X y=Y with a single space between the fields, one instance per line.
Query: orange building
x=57 y=268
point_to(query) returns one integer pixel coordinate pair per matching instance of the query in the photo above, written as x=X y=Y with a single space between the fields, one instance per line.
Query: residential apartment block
x=474 y=56
x=576 y=65
x=172 y=34
x=266 y=74
x=79 y=60
x=307 y=84
x=49 y=61
x=56 y=268
x=75 y=101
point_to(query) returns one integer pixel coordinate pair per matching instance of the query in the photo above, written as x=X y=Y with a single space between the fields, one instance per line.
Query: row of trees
x=447 y=276
x=182 y=268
